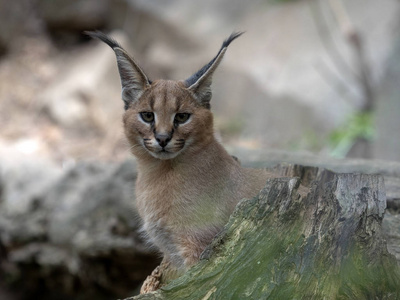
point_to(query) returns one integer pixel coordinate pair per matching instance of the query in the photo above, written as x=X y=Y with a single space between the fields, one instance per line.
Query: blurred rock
x=66 y=20
x=387 y=144
x=72 y=234
x=273 y=120
x=88 y=91
x=17 y=18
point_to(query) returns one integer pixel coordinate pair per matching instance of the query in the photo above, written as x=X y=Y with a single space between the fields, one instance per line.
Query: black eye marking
x=181 y=118
x=148 y=117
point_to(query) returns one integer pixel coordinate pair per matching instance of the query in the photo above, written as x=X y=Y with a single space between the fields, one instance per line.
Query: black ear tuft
x=103 y=37
x=200 y=82
x=133 y=80
x=232 y=37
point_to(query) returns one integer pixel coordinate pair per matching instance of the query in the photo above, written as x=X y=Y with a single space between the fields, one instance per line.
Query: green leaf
x=358 y=125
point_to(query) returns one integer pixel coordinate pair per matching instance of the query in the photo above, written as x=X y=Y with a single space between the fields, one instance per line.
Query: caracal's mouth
x=170 y=151
x=164 y=154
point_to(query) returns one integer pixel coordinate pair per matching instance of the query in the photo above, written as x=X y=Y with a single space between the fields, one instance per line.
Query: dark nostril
x=162 y=139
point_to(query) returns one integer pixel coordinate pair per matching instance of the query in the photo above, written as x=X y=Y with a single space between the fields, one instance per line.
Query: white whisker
x=136 y=146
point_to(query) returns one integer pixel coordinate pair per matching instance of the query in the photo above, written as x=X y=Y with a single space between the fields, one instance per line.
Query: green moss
x=267 y=252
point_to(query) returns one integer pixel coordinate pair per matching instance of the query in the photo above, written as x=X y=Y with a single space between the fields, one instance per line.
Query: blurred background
x=317 y=76
x=308 y=76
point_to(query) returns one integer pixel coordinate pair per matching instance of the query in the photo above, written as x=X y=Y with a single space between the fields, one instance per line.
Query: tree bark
x=311 y=234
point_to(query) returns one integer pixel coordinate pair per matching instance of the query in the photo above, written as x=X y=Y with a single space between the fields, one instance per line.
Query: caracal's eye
x=148 y=117
x=181 y=118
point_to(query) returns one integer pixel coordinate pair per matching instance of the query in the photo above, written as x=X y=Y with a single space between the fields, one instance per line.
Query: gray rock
x=74 y=229
x=17 y=18
x=74 y=16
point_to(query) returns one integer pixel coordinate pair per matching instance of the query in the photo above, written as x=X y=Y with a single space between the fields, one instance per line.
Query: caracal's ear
x=200 y=82
x=134 y=81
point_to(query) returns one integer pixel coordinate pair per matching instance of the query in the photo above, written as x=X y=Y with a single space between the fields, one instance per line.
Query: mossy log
x=311 y=234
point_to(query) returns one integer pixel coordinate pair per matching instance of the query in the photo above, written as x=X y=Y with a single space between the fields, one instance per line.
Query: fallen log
x=311 y=234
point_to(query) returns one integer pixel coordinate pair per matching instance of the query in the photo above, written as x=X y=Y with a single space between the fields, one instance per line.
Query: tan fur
x=188 y=185
x=186 y=200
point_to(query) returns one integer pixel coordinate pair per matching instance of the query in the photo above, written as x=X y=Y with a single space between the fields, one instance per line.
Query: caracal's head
x=165 y=118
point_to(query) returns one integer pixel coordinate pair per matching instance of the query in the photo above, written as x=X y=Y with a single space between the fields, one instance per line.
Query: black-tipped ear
x=200 y=82
x=133 y=80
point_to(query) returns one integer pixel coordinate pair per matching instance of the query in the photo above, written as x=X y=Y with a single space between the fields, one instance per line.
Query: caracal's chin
x=164 y=155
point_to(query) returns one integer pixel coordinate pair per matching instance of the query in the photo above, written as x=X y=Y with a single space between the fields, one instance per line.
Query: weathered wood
x=391 y=228
x=314 y=236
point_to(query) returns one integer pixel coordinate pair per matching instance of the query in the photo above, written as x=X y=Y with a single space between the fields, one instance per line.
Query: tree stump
x=311 y=234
